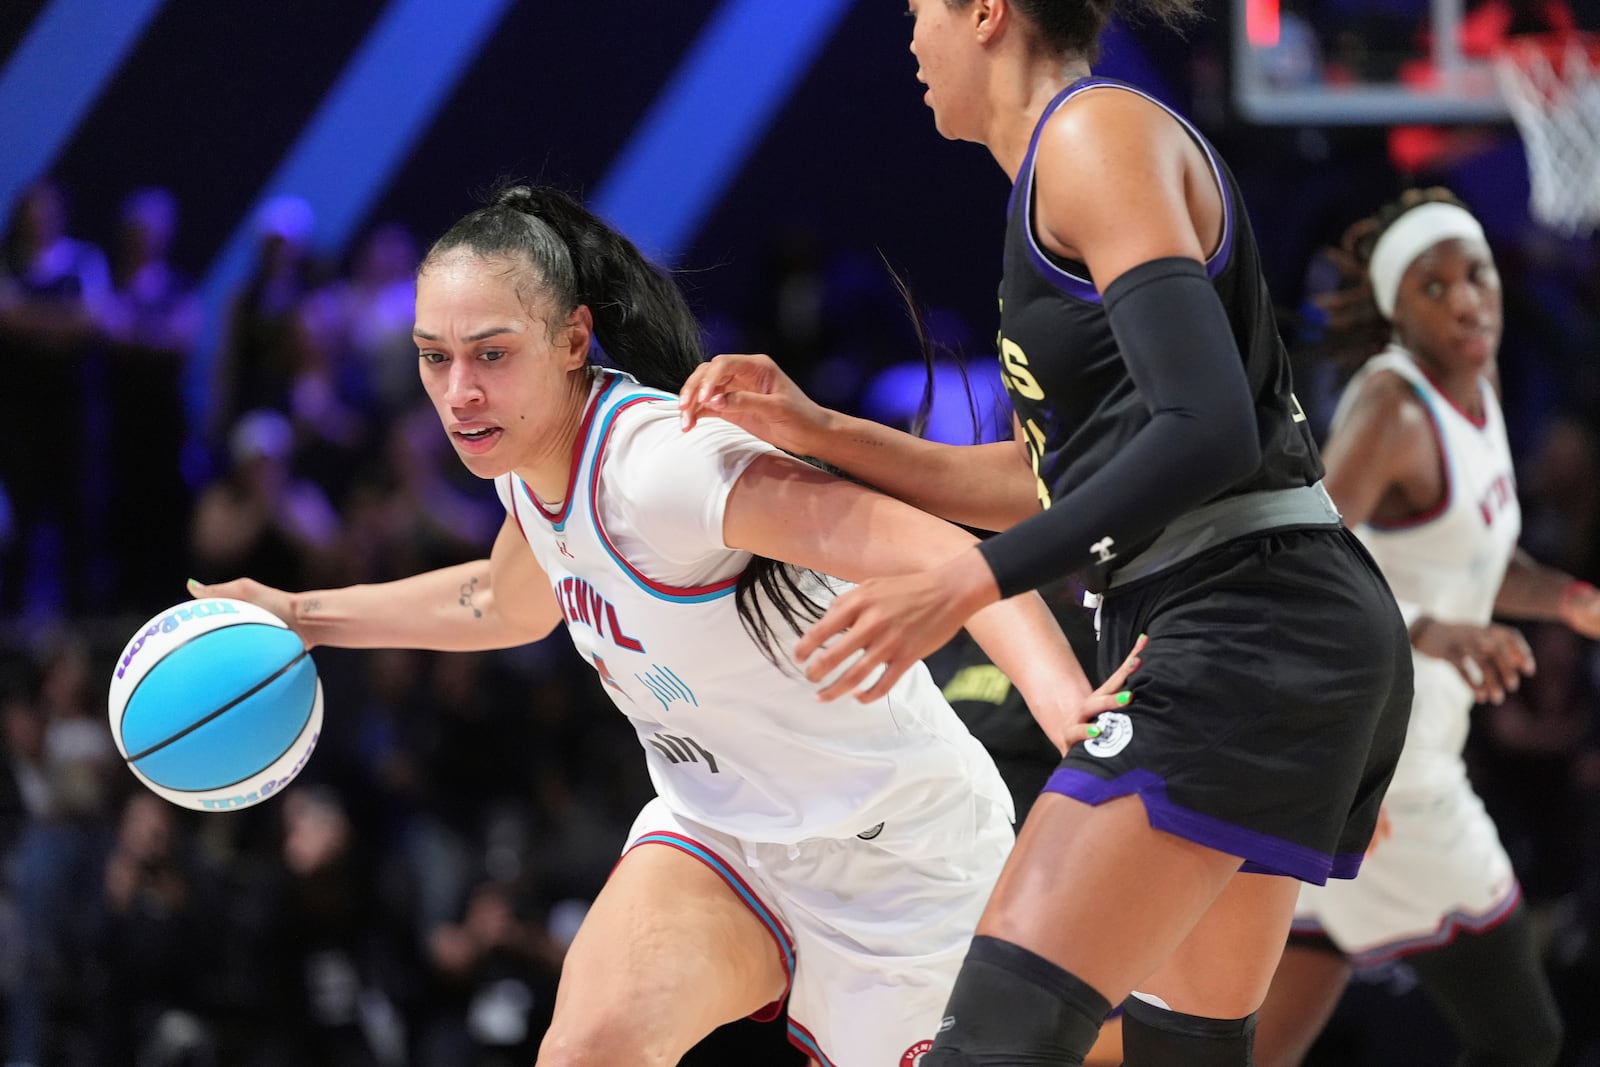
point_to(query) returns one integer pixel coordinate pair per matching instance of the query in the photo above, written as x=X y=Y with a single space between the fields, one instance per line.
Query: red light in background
x=1261 y=23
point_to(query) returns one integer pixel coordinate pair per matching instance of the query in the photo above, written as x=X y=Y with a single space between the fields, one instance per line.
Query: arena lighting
x=665 y=180
x=703 y=124
x=364 y=130
x=1262 y=24
x=64 y=61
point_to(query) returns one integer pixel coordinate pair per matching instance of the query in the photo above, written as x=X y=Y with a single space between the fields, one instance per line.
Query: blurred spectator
x=494 y=982
x=260 y=519
x=1528 y=764
x=24 y=778
x=53 y=291
x=285 y=340
x=78 y=746
x=153 y=944
x=786 y=316
x=152 y=319
x=334 y=946
x=414 y=512
x=265 y=345
x=53 y=866
x=1560 y=490
x=379 y=302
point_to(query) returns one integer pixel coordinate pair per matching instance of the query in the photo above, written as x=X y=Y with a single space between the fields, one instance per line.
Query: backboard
x=1359 y=62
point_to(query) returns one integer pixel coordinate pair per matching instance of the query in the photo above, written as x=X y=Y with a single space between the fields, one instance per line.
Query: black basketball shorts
x=1270 y=706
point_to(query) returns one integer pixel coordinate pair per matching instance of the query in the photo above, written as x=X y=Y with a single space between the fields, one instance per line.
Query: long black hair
x=643 y=325
x=1075 y=25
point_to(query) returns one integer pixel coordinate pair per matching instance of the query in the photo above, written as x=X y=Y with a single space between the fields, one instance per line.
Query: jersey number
x=1020 y=380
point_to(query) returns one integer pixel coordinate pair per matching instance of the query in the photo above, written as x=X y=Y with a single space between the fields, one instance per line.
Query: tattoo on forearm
x=468 y=591
x=311 y=607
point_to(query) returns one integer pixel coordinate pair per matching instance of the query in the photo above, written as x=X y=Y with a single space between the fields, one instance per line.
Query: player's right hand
x=751 y=392
x=1491 y=659
x=251 y=591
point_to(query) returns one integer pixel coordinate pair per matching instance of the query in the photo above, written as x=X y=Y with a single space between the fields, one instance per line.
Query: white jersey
x=1447 y=564
x=636 y=556
x=1440 y=870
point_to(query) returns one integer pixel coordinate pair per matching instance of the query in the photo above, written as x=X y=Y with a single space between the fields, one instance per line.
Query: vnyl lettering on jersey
x=636 y=558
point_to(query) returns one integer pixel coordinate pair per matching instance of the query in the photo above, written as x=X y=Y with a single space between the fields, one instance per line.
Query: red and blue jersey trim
x=1450 y=927
x=558 y=518
x=660 y=590
x=747 y=895
x=801 y=1039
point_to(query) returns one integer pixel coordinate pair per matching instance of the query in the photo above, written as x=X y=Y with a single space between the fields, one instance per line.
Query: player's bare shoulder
x=1112 y=181
x=1387 y=404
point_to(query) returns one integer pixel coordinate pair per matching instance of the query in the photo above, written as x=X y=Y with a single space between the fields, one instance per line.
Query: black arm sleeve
x=1202 y=436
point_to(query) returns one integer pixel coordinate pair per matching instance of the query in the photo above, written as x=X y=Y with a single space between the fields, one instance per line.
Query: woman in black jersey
x=1160 y=456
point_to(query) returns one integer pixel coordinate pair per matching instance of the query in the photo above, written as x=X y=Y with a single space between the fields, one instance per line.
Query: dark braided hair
x=643 y=325
x=1075 y=25
x=1356 y=330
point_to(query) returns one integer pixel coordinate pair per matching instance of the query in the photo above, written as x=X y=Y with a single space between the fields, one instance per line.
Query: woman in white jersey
x=1418 y=464
x=837 y=855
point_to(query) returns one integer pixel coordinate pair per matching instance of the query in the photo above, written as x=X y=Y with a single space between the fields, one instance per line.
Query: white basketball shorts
x=1440 y=871
x=872 y=929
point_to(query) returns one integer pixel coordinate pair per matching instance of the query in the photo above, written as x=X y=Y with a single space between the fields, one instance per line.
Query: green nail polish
x=1123 y=698
x=1093 y=731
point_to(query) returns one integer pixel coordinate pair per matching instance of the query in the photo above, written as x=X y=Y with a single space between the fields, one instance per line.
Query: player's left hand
x=1580 y=609
x=892 y=623
x=1079 y=724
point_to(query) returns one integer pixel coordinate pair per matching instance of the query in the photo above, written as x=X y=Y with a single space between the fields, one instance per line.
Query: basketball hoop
x=1551 y=85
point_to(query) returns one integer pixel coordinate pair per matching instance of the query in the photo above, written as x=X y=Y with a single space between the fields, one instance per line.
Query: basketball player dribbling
x=829 y=858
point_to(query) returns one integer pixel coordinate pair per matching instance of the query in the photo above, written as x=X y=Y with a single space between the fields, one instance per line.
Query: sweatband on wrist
x=1574 y=589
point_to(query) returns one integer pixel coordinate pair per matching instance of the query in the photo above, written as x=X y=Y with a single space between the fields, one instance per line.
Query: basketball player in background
x=833 y=857
x=1419 y=465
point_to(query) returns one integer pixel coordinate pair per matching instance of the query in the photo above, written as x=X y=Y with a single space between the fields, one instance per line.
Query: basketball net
x=1551 y=85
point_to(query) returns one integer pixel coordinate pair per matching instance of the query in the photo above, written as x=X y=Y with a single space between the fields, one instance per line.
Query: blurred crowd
x=409 y=899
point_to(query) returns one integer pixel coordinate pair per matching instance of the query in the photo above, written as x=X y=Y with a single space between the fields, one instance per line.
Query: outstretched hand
x=251 y=591
x=891 y=623
x=751 y=392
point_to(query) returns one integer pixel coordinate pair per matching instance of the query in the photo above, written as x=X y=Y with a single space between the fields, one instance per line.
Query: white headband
x=1408 y=237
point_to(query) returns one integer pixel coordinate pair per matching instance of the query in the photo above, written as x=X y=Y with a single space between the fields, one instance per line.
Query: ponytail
x=643 y=324
x=641 y=319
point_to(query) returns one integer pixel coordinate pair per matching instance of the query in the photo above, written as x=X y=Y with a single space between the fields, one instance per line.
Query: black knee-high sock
x=1013 y=1008
x=1159 y=1037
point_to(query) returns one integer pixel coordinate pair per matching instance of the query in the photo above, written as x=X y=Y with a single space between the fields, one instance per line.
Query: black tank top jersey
x=1072 y=393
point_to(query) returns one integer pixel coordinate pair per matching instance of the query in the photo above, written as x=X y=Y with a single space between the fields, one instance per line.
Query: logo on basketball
x=1116 y=730
x=914 y=1054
